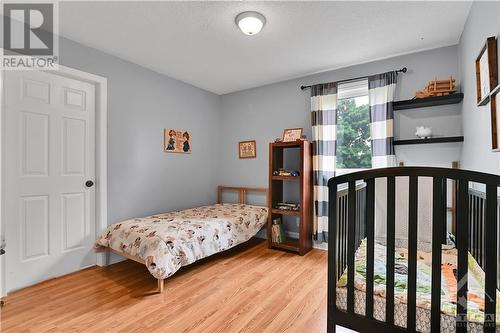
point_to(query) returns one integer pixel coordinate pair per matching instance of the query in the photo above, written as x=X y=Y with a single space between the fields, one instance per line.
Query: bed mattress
x=166 y=242
x=448 y=288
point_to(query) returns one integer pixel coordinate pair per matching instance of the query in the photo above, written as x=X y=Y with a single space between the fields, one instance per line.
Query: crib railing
x=348 y=215
x=342 y=224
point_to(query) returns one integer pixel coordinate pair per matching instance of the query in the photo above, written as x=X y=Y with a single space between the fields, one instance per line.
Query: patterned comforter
x=168 y=241
x=475 y=300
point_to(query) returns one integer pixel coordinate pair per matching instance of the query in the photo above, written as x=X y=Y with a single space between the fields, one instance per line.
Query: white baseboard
x=319 y=246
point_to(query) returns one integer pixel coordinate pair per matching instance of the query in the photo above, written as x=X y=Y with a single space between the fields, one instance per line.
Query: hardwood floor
x=247 y=289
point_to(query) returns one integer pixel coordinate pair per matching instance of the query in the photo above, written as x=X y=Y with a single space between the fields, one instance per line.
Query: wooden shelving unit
x=445 y=139
x=428 y=101
x=303 y=244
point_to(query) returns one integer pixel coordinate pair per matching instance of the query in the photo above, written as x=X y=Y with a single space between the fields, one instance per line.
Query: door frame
x=101 y=156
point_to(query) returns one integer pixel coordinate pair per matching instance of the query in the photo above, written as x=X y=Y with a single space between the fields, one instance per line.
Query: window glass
x=353 y=127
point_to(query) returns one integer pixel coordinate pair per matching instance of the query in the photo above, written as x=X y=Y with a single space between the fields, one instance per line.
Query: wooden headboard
x=242 y=192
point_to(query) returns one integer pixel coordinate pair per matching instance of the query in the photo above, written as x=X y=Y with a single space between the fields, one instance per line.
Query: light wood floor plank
x=247 y=289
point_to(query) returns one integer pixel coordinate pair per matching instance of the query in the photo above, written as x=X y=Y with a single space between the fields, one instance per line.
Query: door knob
x=89 y=183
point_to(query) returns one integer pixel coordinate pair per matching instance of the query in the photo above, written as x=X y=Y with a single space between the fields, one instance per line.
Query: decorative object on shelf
x=278 y=232
x=423 y=132
x=247 y=149
x=176 y=141
x=286 y=173
x=486 y=71
x=495 y=118
x=437 y=88
x=288 y=206
x=292 y=134
x=278 y=140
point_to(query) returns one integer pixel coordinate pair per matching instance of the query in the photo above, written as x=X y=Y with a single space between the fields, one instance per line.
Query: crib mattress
x=424 y=263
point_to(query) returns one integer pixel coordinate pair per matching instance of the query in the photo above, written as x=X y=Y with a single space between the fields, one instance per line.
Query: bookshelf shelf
x=286 y=212
x=277 y=192
x=286 y=178
x=428 y=101
x=287 y=245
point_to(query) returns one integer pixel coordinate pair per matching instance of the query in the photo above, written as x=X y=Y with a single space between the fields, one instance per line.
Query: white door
x=49 y=158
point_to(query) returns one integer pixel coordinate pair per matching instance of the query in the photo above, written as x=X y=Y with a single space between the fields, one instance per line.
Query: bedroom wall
x=262 y=113
x=483 y=22
x=142 y=179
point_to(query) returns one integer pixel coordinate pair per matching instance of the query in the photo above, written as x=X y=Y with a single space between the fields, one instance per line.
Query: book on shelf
x=288 y=206
x=277 y=231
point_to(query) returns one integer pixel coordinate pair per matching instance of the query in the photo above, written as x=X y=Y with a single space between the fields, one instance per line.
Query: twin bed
x=166 y=242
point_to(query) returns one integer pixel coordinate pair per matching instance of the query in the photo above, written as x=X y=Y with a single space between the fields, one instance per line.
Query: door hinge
x=2 y=247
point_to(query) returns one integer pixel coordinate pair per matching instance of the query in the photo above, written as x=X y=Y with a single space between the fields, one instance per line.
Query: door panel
x=73 y=220
x=34 y=144
x=49 y=155
x=74 y=141
x=34 y=227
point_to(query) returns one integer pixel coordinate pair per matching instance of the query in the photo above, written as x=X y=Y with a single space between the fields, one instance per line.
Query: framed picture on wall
x=495 y=118
x=176 y=141
x=292 y=134
x=486 y=71
x=247 y=149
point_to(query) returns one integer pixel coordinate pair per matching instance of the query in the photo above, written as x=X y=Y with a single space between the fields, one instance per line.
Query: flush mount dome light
x=250 y=23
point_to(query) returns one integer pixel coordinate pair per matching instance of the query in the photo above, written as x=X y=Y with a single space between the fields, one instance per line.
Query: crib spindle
x=462 y=256
x=370 y=244
x=412 y=254
x=391 y=233
x=351 y=245
x=490 y=259
x=438 y=221
x=332 y=257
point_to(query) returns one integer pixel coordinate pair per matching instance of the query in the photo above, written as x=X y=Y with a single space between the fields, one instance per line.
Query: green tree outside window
x=353 y=135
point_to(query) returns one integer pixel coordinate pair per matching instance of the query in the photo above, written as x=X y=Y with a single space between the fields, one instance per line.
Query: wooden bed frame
x=352 y=218
x=242 y=193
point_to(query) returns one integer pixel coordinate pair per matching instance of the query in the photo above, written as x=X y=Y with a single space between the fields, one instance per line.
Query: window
x=353 y=127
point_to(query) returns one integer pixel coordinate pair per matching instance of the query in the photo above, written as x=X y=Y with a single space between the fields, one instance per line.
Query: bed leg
x=160 y=286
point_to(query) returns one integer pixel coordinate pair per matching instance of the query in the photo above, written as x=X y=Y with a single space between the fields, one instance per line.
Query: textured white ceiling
x=199 y=43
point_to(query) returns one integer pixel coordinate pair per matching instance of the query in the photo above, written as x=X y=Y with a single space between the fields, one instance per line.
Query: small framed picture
x=248 y=149
x=292 y=134
x=176 y=141
x=486 y=71
x=495 y=119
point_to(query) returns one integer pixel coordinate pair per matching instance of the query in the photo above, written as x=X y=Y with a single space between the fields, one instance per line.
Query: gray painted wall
x=483 y=22
x=262 y=113
x=142 y=178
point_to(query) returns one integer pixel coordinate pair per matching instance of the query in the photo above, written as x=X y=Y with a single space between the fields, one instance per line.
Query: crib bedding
x=166 y=242
x=448 y=282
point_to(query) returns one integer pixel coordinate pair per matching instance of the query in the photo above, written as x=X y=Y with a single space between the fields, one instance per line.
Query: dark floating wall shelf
x=445 y=139
x=428 y=101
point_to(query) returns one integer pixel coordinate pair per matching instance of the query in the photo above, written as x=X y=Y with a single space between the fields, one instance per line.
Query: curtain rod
x=402 y=70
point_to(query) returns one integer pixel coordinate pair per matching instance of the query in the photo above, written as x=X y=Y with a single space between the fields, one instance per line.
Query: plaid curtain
x=324 y=131
x=381 y=93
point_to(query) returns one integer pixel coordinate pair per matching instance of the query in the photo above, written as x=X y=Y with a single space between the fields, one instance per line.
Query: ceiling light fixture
x=250 y=23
